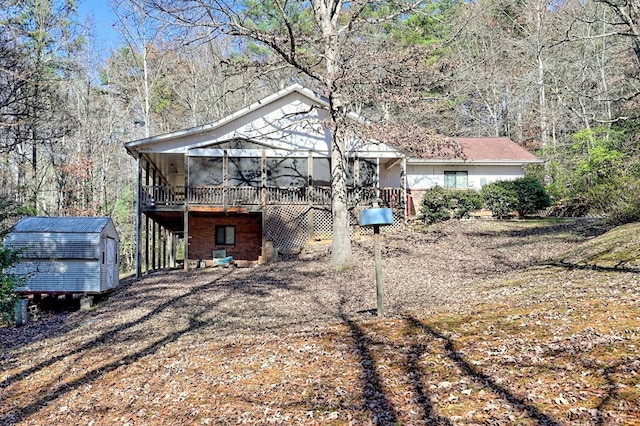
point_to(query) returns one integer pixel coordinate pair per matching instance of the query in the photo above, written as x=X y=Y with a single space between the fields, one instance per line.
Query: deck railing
x=164 y=195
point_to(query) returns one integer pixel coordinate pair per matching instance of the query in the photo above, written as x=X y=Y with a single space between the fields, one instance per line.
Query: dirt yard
x=485 y=322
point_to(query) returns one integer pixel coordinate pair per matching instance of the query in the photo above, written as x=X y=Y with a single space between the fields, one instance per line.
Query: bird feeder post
x=378 y=263
x=375 y=217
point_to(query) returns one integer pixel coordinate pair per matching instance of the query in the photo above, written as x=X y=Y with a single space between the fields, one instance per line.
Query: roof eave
x=435 y=161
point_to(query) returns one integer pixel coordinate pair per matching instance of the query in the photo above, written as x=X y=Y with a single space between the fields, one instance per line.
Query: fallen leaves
x=481 y=328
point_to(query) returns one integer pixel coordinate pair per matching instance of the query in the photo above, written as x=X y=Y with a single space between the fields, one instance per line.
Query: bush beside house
x=524 y=195
x=440 y=204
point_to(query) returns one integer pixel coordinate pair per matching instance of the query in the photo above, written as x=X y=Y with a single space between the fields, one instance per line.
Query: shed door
x=110 y=262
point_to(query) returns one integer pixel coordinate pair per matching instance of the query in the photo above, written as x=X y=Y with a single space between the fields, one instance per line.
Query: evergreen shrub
x=440 y=204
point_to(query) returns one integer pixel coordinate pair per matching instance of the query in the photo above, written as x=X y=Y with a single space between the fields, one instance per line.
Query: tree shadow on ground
x=484 y=379
x=375 y=400
x=124 y=332
x=578 y=228
x=570 y=265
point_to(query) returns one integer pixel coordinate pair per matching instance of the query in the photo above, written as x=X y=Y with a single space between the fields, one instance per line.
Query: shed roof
x=61 y=224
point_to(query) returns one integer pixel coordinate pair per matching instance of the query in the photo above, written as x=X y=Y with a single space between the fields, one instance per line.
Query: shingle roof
x=499 y=149
x=484 y=149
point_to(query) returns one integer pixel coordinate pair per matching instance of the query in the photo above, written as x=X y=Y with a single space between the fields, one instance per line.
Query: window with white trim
x=456 y=180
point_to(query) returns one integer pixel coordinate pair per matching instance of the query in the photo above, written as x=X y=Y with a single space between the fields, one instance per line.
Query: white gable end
x=292 y=121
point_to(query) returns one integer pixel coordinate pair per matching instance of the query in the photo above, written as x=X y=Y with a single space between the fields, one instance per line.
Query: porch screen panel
x=350 y=172
x=321 y=172
x=245 y=171
x=287 y=172
x=205 y=171
x=367 y=176
x=367 y=171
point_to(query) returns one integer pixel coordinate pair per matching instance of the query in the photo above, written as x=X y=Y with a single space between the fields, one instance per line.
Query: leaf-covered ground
x=485 y=322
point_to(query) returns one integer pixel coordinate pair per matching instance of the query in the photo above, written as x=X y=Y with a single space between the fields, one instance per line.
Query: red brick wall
x=202 y=241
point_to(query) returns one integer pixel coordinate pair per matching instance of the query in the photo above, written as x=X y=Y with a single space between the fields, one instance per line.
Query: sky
x=104 y=19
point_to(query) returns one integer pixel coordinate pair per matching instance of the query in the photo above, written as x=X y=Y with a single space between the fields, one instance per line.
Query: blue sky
x=104 y=21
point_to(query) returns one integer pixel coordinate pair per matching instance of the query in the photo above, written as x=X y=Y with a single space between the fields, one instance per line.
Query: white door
x=110 y=262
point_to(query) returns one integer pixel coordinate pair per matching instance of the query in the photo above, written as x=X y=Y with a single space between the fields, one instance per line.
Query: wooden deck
x=253 y=198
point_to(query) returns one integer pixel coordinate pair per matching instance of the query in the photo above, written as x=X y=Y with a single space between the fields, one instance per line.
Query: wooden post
x=138 y=216
x=146 y=230
x=154 y=229
x=311 y=213
x=185 y=266
x=172 y=249
x=225 y=179
x=163 y=240
x=377 y=177
x=378 y=263
x=154 y=249
x=403 y=194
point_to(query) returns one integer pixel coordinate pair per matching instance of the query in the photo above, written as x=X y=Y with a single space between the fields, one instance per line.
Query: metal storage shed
x=66 y=254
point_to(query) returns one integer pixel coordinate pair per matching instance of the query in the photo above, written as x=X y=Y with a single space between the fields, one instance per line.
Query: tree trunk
x=326 y=14
x=341 y=256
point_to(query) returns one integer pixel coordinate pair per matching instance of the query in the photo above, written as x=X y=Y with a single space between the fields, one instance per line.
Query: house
x=260 y=178
x=65 y=255
x=481 y=161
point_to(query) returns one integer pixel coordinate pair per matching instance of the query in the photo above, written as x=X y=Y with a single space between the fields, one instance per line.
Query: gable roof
x=288 y=122
x=250 y=123
x=482 y=150
x=140 y=144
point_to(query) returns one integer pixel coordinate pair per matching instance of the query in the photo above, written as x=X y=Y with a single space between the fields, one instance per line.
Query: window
x=456 y=180
x=225 y=235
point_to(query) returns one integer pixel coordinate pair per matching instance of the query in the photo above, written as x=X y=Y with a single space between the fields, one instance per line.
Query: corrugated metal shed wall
x=47 y=245
x=60 y=276
x=64 y=254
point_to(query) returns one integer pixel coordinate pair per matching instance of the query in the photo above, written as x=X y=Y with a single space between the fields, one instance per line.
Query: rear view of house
x=65 y=255
x=261 y=178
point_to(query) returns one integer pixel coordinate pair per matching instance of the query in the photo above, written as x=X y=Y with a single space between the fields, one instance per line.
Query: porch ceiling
x=170 y=165
x=171 y=220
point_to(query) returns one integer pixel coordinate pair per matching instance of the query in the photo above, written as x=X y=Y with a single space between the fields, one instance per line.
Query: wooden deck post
x=403 y=195
x=138 y=215
x=172 y=249
x=225 y=179
x=311 y=213
x=146 y=230
x=185 y=266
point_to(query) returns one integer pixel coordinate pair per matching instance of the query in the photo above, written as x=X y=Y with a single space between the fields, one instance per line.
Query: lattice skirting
x=291 y=227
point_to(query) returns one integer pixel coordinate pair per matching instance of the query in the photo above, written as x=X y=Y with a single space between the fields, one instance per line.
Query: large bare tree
x=326 y=43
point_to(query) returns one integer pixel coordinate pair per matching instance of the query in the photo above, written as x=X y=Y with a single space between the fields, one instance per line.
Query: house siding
x=421 y=177
x=248 y=236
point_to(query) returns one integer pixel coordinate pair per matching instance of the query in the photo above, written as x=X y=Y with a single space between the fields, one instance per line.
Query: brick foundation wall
x=248 y=238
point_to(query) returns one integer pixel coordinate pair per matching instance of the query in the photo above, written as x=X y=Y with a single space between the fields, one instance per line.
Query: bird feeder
x=376 y=217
